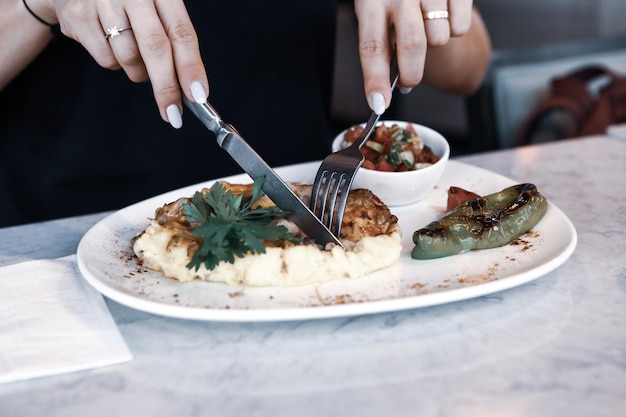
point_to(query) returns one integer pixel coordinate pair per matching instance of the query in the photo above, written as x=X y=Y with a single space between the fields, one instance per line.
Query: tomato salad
x=392 y=149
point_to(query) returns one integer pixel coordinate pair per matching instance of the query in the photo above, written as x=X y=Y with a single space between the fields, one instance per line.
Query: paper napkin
x=53 y=322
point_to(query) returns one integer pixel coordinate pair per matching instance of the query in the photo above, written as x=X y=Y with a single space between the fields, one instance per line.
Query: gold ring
x=114 y=31
x=438 y=14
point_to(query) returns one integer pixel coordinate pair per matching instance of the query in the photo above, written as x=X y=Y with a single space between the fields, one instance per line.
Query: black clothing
x=76 y=138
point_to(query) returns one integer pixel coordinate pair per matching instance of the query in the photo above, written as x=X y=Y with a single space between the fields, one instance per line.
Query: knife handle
x=211 y=119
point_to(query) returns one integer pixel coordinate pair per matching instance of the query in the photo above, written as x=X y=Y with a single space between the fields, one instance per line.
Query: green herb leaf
x=229 y=225
x=394 y=154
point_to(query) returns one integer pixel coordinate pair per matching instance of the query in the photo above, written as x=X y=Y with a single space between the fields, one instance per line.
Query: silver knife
x=276 y=189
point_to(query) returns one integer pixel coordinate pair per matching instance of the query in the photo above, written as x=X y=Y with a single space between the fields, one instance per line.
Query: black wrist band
x=55 y=29
x=37 y=17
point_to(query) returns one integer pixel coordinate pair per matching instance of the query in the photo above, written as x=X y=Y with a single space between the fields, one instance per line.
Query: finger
x=437 y=27
x=83 y=25
x=119 y=35
x=156 y=51
x=186 y=50
x=410 y=44
x=374 y=52
x=460 y=16
x=127 y=53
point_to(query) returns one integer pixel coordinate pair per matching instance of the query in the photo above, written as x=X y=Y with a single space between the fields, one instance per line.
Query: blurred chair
x=518 y=80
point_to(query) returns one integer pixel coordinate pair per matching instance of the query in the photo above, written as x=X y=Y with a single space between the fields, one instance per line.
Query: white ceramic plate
x=105 y=259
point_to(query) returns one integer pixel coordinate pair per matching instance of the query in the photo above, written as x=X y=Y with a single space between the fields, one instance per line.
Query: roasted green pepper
x=482 y=223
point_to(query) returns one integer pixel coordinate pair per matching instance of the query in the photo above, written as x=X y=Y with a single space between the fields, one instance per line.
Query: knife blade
x=251 y=162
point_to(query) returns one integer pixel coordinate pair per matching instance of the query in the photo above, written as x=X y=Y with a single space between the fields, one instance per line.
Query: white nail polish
x=173 y=115
x=198 y=93
x=406 y=90
x=378 y=103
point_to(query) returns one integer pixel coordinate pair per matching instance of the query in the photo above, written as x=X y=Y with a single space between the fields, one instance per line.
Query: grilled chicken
x=365 y=215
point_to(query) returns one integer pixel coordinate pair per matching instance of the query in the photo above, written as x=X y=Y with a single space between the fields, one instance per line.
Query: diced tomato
x=384 y=165
x=369 y=164
x=457 y=195
x=378 y=156
x=382 y=132
x=428 y=156
x=402 y=168
x=387 y=142
x=352 y=133
x=369 y=153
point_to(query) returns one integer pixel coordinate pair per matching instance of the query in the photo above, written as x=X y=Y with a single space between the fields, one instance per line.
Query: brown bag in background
x=584 y=102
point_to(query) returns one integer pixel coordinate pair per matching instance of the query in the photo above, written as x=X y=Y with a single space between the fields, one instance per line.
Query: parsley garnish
x=394 y=154
x=230 y=225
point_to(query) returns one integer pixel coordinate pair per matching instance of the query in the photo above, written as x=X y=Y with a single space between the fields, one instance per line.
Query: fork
x=336 y=172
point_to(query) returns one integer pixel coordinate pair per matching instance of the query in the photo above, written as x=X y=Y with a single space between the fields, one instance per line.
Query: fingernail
x=406 y=90
x=378 y=103
x=173 y=115
x=198 y=93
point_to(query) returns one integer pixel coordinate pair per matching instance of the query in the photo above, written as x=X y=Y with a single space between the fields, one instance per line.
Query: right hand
x=388 y=25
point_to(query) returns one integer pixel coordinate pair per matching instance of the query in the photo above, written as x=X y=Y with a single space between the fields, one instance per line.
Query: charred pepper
x=482 y=223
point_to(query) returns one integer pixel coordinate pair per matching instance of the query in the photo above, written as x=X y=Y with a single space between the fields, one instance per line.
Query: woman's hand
x=148 y=39
x=405 y=26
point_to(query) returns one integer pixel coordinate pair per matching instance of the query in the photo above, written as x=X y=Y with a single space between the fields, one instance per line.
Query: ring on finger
x=114 y=31
x=436 y=14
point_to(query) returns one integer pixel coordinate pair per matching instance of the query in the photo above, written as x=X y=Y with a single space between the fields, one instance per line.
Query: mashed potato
x=293 y=265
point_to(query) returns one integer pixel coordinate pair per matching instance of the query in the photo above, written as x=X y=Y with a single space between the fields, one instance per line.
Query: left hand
x=402 y=25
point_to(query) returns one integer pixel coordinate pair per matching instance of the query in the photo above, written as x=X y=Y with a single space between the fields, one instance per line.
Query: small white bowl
x=408 y=187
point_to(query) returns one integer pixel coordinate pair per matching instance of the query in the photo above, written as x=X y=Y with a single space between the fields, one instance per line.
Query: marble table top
x=553 y=347
x=617 y=131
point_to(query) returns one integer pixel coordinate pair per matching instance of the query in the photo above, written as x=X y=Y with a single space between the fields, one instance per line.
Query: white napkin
x=53 y=322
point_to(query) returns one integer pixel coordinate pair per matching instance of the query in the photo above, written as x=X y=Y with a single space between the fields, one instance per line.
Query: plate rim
x=321 y=311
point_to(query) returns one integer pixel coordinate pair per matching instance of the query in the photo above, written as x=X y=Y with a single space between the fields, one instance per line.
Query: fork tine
x=343 y=189
x=319 y=194
x=329 y=197
x=319 y=179
x=331 y=187
x=322 y=197
x=325 y=197
x=334 y=187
